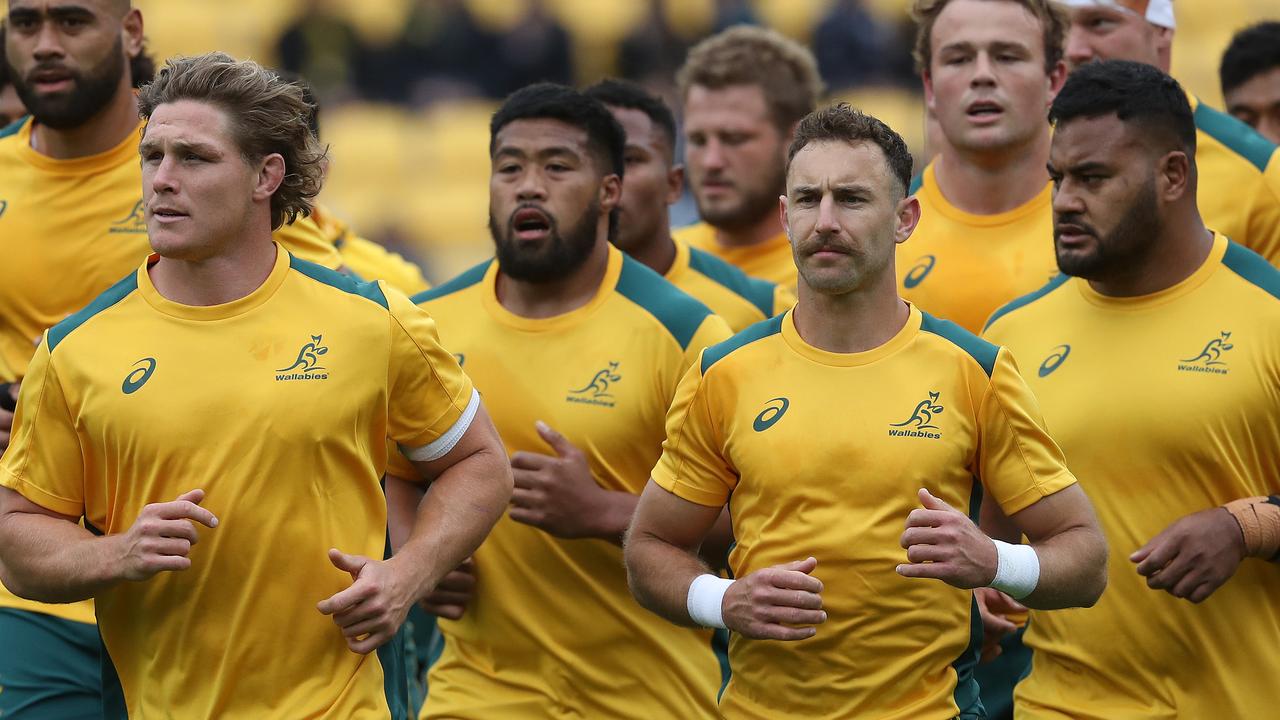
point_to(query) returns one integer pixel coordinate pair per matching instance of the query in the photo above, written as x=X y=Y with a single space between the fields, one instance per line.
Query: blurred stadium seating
x=422 y=174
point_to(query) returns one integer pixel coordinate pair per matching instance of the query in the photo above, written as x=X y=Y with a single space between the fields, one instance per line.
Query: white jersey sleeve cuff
x=441 y=446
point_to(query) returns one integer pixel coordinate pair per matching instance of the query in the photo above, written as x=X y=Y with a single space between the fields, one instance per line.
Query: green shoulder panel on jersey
x=759 y=331
x=977 y=348
x=13 y=127
x=1237 y=136
x=458 y=283
x=754 y=290
x=321 y=274
x=1253 y=268
x=916 y=182
x=111 y=296
x=679 y=313
x=1027 y=299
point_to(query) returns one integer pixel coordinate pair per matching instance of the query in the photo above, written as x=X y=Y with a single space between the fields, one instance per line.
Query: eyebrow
x=1079 y=168
x=58 y=11
x=543 y=153
x=180 y=146
x=840 y=187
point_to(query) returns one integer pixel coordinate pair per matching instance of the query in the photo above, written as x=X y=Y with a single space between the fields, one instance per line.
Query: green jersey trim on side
x=980 y=350
x=1252 y=268
x=1027 y=299
x=754 y=290
x=1238 y=137
x=321 y=274
x=759 y=331
x=679 y=313
x=13 y=127
x=109 y=297
x=466 y=279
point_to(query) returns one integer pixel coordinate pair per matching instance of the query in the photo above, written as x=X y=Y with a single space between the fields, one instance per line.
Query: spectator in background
x=850 y=46
x=652 y=53
x=1250 y=75
x=325 y=48
x=441 y=53
x=734 y=12
x=536 y=49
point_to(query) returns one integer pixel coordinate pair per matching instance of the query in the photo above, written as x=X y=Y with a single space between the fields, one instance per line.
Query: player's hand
x=1194 y=556
x=6 y=413
x=162 y=536
x=556 y=494
x=450 y=597
x=374 y=607
x=944 y=544
x=782 y=602
x=995 y=607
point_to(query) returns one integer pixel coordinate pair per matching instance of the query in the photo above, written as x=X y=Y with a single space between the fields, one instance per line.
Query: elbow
x=1095 y=581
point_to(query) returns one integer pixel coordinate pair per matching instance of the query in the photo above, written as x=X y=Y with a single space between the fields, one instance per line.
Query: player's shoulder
x=1238 y=139
x=679 y=313
x=760 y=293
x=100 y=306
x=1031 y=302
x=11 y=138
x=1251 y=269
x=12 y=129
x=340 y=284
x=747 y=337
x=962 y=341
x=468 y=279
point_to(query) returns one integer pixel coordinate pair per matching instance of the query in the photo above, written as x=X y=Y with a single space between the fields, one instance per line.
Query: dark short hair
x=842 y=123
x=266 y=115
x=1052 y=18
x=1254 y=50
x=605 y=137
x=629 y=95
x=1136 y=93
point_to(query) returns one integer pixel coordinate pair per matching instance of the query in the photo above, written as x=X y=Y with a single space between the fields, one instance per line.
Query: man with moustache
x=1156 y=359
x=654 y=182
x=743 y=91
x=1239 y=170
x=71 y=224
x=990 y=70
x=578 y=348
x=830 y=426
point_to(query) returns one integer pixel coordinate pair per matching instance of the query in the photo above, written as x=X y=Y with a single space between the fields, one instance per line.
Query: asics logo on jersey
x=771 y=414
x=921 y=421
x=462 y=359
x=1056 y=358
x=597 y=392
x=307 y=364
x=1210 y=358
x=134 y=222
x=139 y=376
x=919 y=271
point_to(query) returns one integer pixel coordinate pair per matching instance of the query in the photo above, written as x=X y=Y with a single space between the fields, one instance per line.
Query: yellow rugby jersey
x=368 y=259
x=962 y=267
x=771 y=260
x=823 y=455
x=277 y=405
x=1164 y=405
x=740 y=300
x=553 y=631
x=68 y=230
x=1239 y=187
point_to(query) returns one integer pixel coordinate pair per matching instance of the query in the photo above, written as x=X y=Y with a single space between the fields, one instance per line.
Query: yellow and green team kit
x=823 y=455
x=771 y=260
x=366 y=258
x=277 y=405
x=1164 y=405
x=962 y=267
x=69 y=229
x=552 y=631
x=739 y=299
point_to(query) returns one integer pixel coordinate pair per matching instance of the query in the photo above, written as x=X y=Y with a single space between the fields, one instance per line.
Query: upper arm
x=44 y=460
x=672 y=519
x=480 y=437
x=13 y=503
x=1067 y=509
x=430 y=399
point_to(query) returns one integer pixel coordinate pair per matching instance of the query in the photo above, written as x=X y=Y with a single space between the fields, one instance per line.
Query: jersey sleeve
x=431 y=401
x=1018 y=463
x=783 y=299
x=693 y=465
x=712 y=330
x=304 y=238
x=1264 y=214
x=43 y=462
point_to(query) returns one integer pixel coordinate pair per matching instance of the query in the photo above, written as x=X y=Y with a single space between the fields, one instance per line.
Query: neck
x=993 y=182
x=99 y=134
x=854 y=322
x=1181 y=250
x=769 y=227
x=658 y=251
x=545 y=300
x=216 y=280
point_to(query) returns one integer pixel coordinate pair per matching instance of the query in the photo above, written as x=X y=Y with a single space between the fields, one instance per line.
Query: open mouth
x=530 y=224
x=984 y=110
x=1068 y=234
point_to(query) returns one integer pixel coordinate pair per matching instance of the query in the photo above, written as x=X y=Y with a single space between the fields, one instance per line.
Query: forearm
x=1073 y=569
x=403 y=500
x=716 y=546
x=52 y=560
x=660 y=573
x=461 y=507
x=612 y=518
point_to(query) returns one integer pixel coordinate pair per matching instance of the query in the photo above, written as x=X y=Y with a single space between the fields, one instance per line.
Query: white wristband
x=706 y=596
x=1017 y=569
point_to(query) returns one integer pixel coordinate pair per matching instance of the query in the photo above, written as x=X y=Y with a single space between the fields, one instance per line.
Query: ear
x=1173 y=176
x=270 y=175
x=782 y=213
x=926 y=80
x=1057 y=78
x=908 y=217
x=610 y=193
x=675 y=184
x=131 y=32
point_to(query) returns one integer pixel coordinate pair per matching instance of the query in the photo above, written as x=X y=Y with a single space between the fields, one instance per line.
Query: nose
x=826 y=224
x=48 y=43
x=1078 y=50
x=163 y=178
x=531 y=187
x=1066 y=200
x=712 y=155
x=983 y=71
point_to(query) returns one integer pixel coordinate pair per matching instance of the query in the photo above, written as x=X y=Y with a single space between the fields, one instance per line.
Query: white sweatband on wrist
x=1017 y=569
x=706 y=597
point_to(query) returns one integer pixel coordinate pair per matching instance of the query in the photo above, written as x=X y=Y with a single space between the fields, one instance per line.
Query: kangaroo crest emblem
x=308 y=357
x=599 y=385
x=1213 y=350
x=922 y=417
